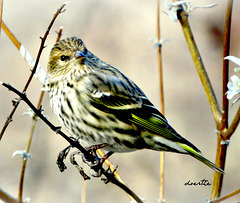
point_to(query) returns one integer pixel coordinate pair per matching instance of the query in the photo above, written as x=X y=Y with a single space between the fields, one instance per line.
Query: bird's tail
x=198 y=156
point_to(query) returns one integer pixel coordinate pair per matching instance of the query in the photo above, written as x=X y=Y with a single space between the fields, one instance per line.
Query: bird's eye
x=64 y=57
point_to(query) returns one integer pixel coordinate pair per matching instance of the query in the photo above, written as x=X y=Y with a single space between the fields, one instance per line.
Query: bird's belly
x=92 y=126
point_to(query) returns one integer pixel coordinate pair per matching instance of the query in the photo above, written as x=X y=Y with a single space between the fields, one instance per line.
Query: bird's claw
x=79 y=168
x=61 y=156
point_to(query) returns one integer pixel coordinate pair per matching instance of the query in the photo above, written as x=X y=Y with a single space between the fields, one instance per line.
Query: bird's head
x=65 y=55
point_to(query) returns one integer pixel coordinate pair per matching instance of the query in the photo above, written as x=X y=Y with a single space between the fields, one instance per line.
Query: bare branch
x=159 y=48
x=220 y=161
x=8 y=198
x=226 y=196
x=33 y=70
x=229 y=132
x=183 y=19
x=225 y=72
x=222 y=128
x=10 y=35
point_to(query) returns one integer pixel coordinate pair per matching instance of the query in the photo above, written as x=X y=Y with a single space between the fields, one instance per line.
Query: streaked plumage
x=98 y=104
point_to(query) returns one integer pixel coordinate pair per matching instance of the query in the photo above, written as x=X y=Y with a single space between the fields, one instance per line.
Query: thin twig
x=226 y=196
x=74 y=143
x=220 y=161
x=226 y=50
x=24 y=164
x=10 y=35
x=159 y=48
x=113 y=169
x=223 y=133
x=5 y=197
x=233 y=126
x=42 y=46
x=59 y=34
x=225 y=72
x=110 y=165
x=183 y=19
x=18 y=45
x=35 y=118
x=162 y=154
x=9 y=118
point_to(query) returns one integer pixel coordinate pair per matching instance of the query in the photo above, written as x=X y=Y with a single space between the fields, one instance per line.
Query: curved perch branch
x=183 y=19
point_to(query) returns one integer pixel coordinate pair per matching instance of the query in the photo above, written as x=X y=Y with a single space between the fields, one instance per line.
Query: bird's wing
x=109 y=101
x=127 y=101
x=110 y=93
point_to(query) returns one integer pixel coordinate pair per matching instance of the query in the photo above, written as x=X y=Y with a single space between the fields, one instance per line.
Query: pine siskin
x=98 y=104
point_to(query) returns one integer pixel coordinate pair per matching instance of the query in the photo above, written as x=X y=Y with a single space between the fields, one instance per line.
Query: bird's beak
x=80 y=56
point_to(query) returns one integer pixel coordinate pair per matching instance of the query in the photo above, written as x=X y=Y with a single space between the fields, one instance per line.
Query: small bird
x=98 y=104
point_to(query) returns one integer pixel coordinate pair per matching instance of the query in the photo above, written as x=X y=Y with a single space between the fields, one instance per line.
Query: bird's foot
x=79 y=168
x=92 y=150
x=96 y=165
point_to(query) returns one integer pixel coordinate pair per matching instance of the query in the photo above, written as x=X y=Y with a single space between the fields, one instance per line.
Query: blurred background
x=118 y=32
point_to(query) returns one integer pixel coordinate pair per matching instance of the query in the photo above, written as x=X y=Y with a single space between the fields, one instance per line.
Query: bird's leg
x=106 y=156
x=96 y=147
x=93 y=165
x=61 y=156
x=92 y=149
x=96 y=166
